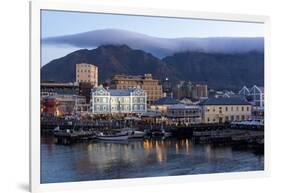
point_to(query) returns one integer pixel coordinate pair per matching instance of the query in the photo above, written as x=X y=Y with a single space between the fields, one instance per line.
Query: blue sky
x=56 y=23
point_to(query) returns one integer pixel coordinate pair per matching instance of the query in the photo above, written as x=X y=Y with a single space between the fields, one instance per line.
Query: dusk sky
x=58 y=23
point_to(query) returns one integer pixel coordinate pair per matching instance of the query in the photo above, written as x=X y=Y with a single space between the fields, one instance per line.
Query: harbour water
x=140 y=158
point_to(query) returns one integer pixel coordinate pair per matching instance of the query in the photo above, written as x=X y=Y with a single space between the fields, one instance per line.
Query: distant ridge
x=218 y=70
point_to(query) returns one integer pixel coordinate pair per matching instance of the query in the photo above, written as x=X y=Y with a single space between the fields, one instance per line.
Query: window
x=104 y=100
x=141 y=100
x=141 y=107
x=98 y=107
x=226 y=108
x=97 y=100
x=135 y=107
x=104 y=107
x=248 y=108
x=242 y=108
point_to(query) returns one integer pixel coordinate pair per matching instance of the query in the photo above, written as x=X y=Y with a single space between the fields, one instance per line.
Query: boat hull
x=113 y=138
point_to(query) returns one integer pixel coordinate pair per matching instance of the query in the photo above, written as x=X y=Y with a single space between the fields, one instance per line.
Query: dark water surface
x=139 y=158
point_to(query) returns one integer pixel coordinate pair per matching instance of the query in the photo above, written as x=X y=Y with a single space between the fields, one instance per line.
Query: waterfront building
x=110 y=101
x=61 y=105
x=87 y=73
x=184 y=114
x=85 y=89
x=55 y=88
x=187 y=89
x=162 y=104
x=152 y=87
x=225 y=109
x=152 y=117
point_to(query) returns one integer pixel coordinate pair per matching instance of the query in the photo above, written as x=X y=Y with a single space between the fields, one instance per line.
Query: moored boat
x=112 y=137
x=137 y=134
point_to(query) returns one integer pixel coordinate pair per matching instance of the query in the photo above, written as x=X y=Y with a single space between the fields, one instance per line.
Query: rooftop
x=119 y=92
x=166 y=101
x=225 y=101
x=183 y=106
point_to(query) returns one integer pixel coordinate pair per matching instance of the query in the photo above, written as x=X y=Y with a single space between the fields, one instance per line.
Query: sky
x=57 y=23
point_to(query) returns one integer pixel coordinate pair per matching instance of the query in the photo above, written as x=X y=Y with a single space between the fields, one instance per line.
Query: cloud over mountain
x=160 y=47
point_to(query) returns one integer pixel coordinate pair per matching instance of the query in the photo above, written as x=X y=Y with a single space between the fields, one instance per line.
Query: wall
x=214 y=112
x=14 y=58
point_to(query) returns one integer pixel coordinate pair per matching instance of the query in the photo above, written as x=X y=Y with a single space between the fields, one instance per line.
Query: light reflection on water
x=139 y=158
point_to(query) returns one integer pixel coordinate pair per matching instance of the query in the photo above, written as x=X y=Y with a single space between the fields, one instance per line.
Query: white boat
x=113 y=137
x=167 y=134
x=56 y=129
x=137 y=134
x=132 y=132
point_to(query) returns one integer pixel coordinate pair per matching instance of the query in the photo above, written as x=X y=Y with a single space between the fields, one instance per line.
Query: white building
x=108 y=101
x=184 y=113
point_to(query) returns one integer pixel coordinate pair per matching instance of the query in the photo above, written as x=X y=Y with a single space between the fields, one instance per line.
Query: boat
x=113 y=137
x=137 y=134
x=132 y=132
x=56 y=129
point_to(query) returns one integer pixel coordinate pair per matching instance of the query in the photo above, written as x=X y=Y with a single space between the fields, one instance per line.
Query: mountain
x=159 y=47
x=110 y=60
x=218 y=70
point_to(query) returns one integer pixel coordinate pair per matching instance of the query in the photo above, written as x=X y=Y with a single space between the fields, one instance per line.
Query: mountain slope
x=220 y=70
x=110 y=60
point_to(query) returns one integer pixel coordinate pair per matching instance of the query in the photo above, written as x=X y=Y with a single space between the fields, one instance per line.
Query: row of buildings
x=143 y=95
x=211 y=110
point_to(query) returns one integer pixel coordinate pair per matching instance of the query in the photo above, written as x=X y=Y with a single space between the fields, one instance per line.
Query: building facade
x=110 y=101
x=187 y=89
x=61 y=105
x=87 y=73
x=55 y=88
x=161 y=105
x=167 y=88
x=152 y=87
x=225 y=109
x=184 y=114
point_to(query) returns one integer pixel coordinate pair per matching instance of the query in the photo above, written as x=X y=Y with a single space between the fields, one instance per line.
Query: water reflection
x=139 y=158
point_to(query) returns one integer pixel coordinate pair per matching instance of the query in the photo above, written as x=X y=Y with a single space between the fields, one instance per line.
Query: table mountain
x=110 y=60
x=218 y=70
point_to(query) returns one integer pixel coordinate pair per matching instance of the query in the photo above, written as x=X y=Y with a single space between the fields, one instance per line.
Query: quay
x=216 y=134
